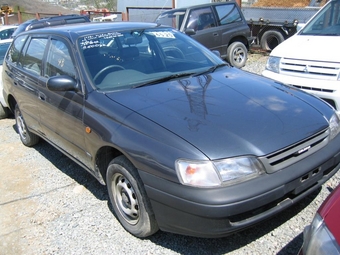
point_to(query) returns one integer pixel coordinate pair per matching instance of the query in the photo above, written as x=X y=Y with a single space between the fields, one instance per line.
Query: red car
x=323 y=235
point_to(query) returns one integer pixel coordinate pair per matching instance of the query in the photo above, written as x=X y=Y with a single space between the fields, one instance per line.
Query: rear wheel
x=237 y=54
x=128 y=198
x=270 y=39
x=27 y=138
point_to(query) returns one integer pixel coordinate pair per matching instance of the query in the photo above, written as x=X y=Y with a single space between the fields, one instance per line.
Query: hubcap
x=238 y=55
x=125 y=199
x=21 y=126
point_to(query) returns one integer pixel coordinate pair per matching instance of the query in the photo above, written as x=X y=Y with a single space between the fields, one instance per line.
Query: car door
x=230 y=20
x=24 y=68
x=203 y=21
x=62 y=113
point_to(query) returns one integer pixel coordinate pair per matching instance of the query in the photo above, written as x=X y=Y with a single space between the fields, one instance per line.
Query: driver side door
x=204 y=23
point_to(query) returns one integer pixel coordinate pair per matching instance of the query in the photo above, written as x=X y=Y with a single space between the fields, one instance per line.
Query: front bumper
x=221 y=211
x=325 y=89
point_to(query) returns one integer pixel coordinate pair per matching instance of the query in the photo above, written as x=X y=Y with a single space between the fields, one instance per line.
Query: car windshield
x=171 y=18
x=135 y=58
x=326 y=22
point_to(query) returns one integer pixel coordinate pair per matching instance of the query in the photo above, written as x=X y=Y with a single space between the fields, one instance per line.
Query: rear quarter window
x=15 y=50
x=228 y=13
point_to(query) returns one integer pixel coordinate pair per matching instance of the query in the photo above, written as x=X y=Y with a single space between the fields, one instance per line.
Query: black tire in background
x=129 y=199
x=270 y=39
x=237 y=54
x=27 y=138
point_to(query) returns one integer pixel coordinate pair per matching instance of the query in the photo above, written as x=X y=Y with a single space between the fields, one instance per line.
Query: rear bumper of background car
x=221 y=211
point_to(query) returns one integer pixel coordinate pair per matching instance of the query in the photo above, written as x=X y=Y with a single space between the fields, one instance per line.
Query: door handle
x=42 y=96
x=215 y=34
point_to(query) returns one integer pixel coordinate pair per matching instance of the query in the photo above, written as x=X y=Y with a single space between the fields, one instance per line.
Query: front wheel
x=27 y=138
x=128 y=198
x=237 y=54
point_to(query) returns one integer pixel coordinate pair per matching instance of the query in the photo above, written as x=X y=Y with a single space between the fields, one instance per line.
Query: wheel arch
x=241 y=39
x=103 y=158
x=11 y=103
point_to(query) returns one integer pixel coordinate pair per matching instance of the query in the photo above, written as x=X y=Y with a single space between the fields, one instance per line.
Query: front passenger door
x=62 y=116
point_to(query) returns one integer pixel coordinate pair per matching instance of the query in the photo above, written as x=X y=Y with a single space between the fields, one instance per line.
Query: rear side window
x=32 y=59
x=228 y=13
x=14 y=51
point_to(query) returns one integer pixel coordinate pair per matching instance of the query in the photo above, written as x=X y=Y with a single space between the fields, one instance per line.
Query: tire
x=237 y=54
x=128 y=198
x=27 y=138
x=4 y=112
x=270 y=39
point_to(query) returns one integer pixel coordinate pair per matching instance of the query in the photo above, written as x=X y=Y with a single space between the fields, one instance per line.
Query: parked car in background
x=6 y=31
x=322 y=237
x=310 y=60
x=51 y=21
x=4 y=111
x=184 y=142
x=218 y=26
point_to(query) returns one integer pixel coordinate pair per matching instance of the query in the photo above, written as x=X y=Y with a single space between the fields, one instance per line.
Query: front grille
x=289 y=155
x=310 y=69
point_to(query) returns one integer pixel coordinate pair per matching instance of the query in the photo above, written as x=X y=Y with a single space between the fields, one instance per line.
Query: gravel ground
x=49 y=205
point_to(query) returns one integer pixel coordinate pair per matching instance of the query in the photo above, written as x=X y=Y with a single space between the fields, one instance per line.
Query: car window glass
x=126 y=59
x=32 y=60
x=15 y=49
x=59 y=60
x=228 y=13
x=5 y=34
x=172 y=18
x=200 y=19
x=327 y=22
x=3 y=50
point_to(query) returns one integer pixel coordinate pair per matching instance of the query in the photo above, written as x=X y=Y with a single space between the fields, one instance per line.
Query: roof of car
x=79 y=29
x=199 y=6
x=4 y=27
x=50 y=21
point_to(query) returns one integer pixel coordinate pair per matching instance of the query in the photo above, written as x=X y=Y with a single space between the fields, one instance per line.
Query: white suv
x=310 y=60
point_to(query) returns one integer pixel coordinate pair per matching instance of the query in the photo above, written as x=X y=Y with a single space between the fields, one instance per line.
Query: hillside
x=285 y=3
x=36 y=6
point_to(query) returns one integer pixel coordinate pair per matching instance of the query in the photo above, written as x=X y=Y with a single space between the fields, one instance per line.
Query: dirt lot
x=50 y=205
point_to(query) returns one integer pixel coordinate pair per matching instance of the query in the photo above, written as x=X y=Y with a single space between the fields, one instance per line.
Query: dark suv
x=50 y=21
x=218 y=26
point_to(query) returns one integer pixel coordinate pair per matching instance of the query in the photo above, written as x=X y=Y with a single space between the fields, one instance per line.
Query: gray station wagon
x=218 y=26
x=184 y=142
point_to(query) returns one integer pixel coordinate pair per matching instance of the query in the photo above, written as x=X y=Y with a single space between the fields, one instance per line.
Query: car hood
x=227 y=113
x=306 y=48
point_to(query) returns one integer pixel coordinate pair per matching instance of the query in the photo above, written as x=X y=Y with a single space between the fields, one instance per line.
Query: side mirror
x=62 y=83
x=190 y=31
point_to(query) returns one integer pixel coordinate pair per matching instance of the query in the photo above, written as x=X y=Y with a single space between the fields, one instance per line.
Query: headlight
x=334 y=126
x=217 y=173
x=273 y=64
x=318 y=239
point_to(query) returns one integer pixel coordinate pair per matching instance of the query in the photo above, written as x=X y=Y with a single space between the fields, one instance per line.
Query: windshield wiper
x=163 y=79
x=211 y=69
